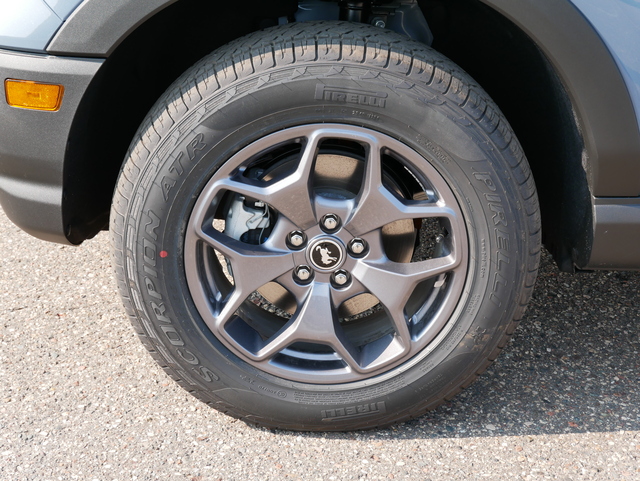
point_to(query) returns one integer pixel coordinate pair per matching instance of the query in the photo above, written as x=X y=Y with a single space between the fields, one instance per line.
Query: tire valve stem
x=439 y=247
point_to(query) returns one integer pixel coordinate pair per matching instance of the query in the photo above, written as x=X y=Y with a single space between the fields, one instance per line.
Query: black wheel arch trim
x=597 y=89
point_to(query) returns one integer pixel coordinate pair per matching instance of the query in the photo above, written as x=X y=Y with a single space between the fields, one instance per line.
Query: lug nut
x=303 y=273
x=296 y=238
x=341 y=277
x=330 y=222
x=357 y=246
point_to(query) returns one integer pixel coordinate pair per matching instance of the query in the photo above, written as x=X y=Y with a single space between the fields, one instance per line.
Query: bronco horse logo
x=327 y=259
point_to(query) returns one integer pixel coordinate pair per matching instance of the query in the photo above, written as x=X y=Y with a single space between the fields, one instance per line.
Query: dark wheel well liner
x=522 y=81
x=131 y=80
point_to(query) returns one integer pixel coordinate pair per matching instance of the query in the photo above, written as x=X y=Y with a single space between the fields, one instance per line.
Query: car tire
x=325 y=226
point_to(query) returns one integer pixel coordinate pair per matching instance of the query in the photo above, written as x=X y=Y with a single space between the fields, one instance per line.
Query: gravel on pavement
x=81 y=399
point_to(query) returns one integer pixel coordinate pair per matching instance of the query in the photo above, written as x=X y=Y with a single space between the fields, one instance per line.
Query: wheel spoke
x=296 y=290
x=253 y=266
x=340 y=207
x=393 y=283
x=382 y=207
x=316 y=322
x=290 y=196
x=399 y=321
x=377 y=206
x=221 y=318
x=338 y=296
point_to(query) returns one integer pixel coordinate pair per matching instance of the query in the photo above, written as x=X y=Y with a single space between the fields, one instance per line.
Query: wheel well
x=521 y=80
x=128 y=84
x=502 y=59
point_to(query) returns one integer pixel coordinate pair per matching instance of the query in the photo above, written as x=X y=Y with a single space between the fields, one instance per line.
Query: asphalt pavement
x=81 y=399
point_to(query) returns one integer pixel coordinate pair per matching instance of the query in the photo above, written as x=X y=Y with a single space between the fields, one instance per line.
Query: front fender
x=97 y=27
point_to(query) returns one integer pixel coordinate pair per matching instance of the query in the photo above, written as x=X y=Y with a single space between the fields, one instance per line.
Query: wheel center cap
x=326 y=254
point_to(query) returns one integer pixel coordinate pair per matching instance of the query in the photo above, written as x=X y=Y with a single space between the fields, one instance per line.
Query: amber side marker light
x=25 y=94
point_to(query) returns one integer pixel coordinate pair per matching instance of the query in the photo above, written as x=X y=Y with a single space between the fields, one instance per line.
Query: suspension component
x=353 y=11
x=248 y=220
